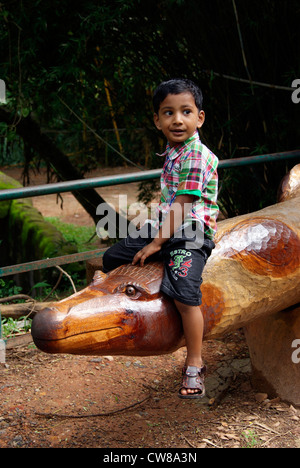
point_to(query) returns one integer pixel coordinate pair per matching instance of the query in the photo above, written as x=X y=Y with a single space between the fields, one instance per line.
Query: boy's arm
x=173 y=221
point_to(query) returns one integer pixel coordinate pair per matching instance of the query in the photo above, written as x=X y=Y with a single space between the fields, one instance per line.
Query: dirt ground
x=125 y=402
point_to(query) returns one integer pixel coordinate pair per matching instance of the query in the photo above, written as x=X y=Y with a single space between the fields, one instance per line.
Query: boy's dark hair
x=177 y=86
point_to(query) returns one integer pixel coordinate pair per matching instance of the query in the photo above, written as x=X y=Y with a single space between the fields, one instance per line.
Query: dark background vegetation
x=62 y=60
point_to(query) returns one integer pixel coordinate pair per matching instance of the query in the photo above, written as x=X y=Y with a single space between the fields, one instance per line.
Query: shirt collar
x=176 y=150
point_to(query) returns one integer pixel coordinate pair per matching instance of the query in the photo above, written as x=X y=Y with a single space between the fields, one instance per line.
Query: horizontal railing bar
x=263 y=158
x=70 y=186
x=50 y=262
x=81 y=184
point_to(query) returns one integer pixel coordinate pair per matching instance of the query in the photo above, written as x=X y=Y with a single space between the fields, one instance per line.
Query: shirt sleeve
x=191 y=177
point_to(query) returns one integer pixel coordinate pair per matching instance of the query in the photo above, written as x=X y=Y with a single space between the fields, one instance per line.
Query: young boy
x=182 y=235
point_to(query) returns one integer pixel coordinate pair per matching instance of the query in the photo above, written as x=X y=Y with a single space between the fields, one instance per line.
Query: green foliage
x=251 y=439
x=11 y=327
x=58 y=55
x=81 y=236
x=8 y=288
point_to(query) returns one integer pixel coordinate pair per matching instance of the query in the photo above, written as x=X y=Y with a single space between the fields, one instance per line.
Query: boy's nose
x=177 y=118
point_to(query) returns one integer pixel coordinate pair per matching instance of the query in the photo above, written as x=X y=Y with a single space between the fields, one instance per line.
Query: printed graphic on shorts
x=180 y=263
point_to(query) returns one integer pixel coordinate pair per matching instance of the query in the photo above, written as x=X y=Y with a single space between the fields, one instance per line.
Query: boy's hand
x=143 y=254
x=172 y=222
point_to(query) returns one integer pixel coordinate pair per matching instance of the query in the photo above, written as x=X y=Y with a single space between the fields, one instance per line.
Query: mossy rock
x=6 y=183
x=33 y=237
x=29 y=236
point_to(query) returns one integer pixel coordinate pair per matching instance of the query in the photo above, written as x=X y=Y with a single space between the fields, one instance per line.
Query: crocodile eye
x=130 y=291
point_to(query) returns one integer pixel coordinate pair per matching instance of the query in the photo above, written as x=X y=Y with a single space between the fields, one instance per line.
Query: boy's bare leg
x=192 y=320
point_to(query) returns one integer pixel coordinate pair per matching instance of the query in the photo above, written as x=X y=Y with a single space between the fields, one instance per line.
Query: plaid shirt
x=190 y=168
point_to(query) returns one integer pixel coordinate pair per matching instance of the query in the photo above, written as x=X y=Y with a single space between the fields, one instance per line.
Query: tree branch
x=31 y=133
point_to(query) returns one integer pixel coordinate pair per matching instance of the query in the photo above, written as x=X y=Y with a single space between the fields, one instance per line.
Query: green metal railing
x=60 y=187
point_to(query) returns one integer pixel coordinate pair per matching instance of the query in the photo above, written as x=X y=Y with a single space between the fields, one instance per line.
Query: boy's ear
x=156 y=121
x=201 y=119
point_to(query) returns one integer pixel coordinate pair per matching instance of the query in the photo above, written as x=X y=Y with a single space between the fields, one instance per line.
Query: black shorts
x=183 y=262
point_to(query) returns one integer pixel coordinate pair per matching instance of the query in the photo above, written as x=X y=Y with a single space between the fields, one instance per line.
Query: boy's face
x=178 y=117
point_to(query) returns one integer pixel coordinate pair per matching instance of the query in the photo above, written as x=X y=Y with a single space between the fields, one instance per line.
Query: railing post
x=2 y=344
x=2 y=352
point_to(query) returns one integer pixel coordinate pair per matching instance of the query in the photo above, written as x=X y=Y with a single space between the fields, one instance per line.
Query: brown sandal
x=193 y=378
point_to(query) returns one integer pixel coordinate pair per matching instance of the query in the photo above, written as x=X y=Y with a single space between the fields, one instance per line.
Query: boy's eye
x=168 y=112
x=187 y=111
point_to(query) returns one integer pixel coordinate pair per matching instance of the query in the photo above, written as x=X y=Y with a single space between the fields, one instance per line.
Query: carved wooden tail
x=255 y=267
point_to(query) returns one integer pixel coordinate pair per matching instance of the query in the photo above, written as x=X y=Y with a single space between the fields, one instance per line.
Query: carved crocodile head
x=122 y=312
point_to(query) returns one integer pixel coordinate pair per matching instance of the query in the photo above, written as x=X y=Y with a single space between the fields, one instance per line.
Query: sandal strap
x=201 y=370
x=193 y=377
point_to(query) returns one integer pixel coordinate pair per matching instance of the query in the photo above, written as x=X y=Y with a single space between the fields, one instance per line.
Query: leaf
x=41 y=284
x=25 y=112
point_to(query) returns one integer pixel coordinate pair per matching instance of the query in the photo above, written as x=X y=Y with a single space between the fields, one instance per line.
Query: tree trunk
x=32 y=135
